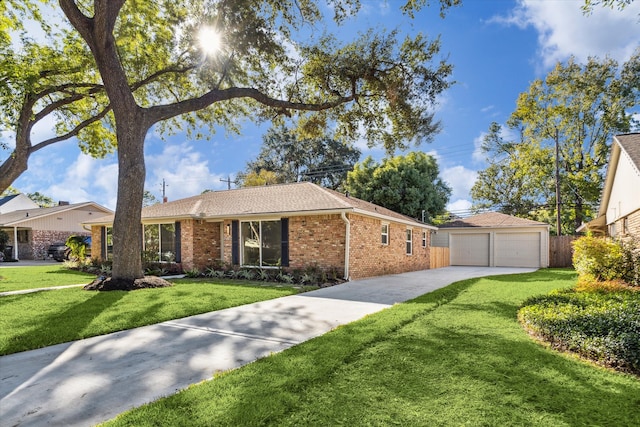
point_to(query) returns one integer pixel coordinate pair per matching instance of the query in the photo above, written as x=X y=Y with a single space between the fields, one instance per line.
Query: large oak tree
x=155 y=71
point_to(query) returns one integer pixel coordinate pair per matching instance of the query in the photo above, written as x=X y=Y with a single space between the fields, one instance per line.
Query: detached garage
x=495 y=240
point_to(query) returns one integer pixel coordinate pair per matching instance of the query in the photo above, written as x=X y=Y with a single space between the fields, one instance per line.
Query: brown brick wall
x=317 y=241
x=633 y=226
x=200 y=244
x=96 y=242
x=369 y=257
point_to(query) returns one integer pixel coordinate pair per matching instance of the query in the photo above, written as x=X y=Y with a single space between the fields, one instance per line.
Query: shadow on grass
x=60 y=326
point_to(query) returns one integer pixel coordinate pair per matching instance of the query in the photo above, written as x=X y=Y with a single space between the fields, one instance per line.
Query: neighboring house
x=297 y=226
x=34 y=229
x=494 y=239
x=16 y=202
x=619 y=212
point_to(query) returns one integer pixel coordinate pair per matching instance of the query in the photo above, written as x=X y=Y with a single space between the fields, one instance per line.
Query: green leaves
x=406 y=184
x=583 y=106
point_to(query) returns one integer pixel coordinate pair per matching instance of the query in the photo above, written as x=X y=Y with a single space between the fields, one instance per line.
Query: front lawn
x=456 y=356
x=45 y=276
x=41 y=319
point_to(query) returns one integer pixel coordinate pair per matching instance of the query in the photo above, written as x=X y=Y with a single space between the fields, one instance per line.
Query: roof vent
x=346 y=194
x=63 y=203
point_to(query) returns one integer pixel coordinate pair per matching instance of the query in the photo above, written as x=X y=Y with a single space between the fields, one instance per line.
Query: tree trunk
x=127 y=228
x=13 y=167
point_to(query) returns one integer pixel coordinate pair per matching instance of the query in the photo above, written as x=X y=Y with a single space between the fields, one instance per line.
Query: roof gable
x=16 y=217
x=630 y=144
x=492 y=220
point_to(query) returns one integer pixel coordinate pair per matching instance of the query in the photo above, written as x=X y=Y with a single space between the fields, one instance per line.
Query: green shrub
x=631 y=261
x=600 y=326
x=601 y=258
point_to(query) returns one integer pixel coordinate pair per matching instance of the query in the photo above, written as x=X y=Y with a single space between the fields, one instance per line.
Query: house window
x=424 y=239
x=160 y=242
x=23 y=236
x=109 y=243
x=385 y=234
x=625 y=225
x=409 y=241
x=261 y=243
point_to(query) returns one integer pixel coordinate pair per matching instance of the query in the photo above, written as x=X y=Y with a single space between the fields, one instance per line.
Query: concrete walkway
x=86 y=382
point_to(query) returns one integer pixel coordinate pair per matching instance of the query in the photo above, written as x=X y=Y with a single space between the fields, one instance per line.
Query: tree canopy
x=131 y=65
x=321 y=160
x=407 y=184
x=581 y=106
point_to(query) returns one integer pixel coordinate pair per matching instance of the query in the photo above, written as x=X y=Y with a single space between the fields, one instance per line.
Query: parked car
x=60 y=251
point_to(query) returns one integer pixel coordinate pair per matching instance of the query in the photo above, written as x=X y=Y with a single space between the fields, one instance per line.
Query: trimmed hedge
x=600 y=326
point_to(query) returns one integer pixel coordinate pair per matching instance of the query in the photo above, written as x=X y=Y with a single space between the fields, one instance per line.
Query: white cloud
x=87 y=179
x=184 y=170
x=460 y=179
x=478 y=155
x=459 y=206
x=563 y=30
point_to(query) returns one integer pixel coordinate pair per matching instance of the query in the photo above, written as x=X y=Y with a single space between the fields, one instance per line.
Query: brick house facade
x=32 y=230
x=294 y=226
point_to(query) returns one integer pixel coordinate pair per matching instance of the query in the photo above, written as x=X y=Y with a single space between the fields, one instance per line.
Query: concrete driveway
x=86 y=382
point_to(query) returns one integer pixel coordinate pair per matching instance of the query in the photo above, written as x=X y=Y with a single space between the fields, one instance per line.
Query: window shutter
x=178 y=241
x=235 y=242
x=284 y=248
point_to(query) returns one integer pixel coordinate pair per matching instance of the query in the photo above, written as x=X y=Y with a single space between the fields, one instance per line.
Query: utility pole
x=558 y=220
x=164 y=192
x=228 y=181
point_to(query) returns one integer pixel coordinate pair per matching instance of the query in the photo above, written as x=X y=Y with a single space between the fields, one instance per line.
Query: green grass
x=456 y=356
x=41 y=319
x=46 y=276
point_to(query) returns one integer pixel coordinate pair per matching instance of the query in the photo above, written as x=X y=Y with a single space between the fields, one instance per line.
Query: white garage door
x=517 y=249
x=469 y=249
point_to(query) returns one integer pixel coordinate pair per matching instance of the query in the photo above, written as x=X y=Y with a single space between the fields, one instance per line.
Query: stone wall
x=41 y=239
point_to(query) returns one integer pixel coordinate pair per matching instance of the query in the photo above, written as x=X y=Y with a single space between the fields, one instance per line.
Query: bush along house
x=291 y=226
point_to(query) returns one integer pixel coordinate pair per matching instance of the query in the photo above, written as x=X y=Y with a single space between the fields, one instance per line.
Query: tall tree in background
x=42 y=200
x=322 y=160
x=156 y=65
x=579 y=107
x=517 y=178
x=406 y=184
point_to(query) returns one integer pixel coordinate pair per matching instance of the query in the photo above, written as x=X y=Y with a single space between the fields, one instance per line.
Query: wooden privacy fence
x=561 y=251
x=439 y=257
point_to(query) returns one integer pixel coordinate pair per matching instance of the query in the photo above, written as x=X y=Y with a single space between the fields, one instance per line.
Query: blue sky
x=497 y=48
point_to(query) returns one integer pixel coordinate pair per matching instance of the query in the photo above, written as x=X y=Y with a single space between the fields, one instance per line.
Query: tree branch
x=164 y=112
x=74 y=132
x=81 y=22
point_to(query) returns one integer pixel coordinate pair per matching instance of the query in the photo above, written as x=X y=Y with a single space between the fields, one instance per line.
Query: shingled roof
x=282 y=199
x=15 y=218
x=492 y=220
x=630 y=144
